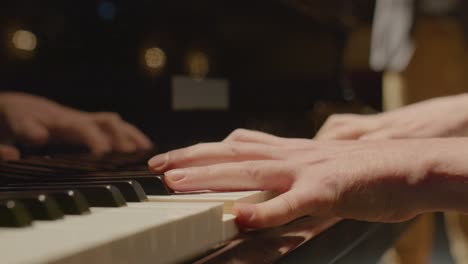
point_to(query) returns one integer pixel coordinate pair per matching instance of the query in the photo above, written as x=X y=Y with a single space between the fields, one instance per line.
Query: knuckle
x=340 y=119
x=233 y=149
x=290 y=205
x=237 y=134
x=170 y=157
x=181 y=155
x=333 y=119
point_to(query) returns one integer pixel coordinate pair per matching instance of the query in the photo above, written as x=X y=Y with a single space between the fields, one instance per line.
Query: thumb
x=9 y=153
x=277 y=211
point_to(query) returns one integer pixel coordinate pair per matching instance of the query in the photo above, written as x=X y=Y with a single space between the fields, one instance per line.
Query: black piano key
x=103 y=196
x=46 y=163
x=151 y=184
x=72 y=202
x=108 y=161
x=14 y=214
x=40 y=206
x=97 y=195
x=131 y=190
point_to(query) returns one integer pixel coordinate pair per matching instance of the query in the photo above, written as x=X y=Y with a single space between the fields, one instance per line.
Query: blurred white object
x=392 y=47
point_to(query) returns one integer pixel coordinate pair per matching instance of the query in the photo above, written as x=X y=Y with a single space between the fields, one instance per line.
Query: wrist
x=444 y=182
x=461 y=110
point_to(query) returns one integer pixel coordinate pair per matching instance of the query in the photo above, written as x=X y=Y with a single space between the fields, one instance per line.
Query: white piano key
x=230 y=229
x=228 y=198
x=116 y=236
x=166 y=229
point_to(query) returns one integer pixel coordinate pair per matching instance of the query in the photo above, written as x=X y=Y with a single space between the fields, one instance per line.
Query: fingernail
x=175 y=175
x=158 y=161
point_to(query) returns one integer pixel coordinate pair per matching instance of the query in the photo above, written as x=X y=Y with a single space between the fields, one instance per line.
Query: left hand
x=365 y=180
x=35 y=120
x=439 y=117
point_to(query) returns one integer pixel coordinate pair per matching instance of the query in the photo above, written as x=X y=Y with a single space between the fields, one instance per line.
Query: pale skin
x=34 y=120
x=440 y=117
x=374 y=180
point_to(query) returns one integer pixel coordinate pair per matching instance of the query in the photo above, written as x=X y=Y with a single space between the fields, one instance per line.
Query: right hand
x=440 y=117
x=383 y=180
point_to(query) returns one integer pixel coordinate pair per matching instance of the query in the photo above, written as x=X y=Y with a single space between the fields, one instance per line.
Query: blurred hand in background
x=36 y=121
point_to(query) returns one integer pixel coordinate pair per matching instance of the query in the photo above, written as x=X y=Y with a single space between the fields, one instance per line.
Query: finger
x=342 y=133
x=83 y=132
x=337 y=120
x=30 y=132
x=141 y=140
x=9 y=153
x=277 y=211
x=212 y=153
x=383 y=134
x=249 y=175
x=346 y=126
x=116 y=131
x=244 y=135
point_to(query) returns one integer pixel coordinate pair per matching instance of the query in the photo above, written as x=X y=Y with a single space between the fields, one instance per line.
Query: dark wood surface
x=310 y=240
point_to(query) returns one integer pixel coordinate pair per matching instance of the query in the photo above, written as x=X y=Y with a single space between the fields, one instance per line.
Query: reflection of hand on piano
x=36 y=121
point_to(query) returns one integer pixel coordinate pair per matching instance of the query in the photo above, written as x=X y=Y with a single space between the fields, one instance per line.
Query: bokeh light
x=198 y=65
x=24 y=40
x=155 y=58
x=106 y=10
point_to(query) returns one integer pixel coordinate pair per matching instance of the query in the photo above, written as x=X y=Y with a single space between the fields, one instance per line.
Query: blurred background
x=190 y=71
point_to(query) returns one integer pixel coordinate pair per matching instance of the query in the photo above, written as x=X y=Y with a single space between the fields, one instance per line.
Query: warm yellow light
x=24 y=40
x=198 y=65
x=155 y=58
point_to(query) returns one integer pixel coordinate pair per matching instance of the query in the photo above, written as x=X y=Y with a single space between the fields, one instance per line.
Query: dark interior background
x=279 y=61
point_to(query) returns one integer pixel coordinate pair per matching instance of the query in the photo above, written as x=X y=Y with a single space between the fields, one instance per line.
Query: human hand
x=35 y=120
x=441 y=117
x=365 y=180
x=8 y=153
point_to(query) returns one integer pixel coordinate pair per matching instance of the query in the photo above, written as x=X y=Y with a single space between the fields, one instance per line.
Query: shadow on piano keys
x=111 y=209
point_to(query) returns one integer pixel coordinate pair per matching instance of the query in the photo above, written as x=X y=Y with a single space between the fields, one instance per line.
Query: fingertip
x=125 y=147
x=38 y=136
x=146 y=145
x=9 y=153
x=158 y=162
x=245 y=215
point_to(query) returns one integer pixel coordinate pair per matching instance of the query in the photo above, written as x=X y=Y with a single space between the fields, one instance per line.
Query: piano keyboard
x=92 y=210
